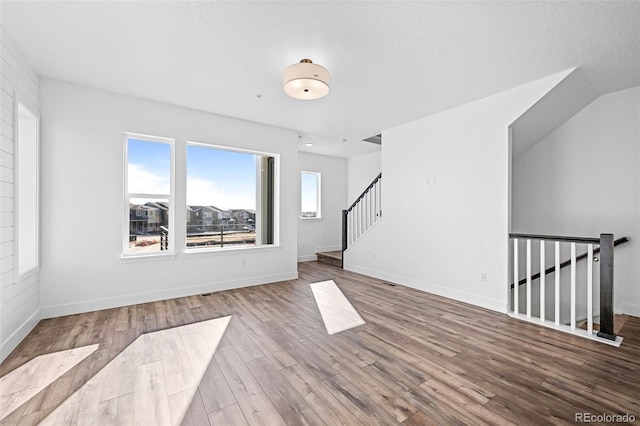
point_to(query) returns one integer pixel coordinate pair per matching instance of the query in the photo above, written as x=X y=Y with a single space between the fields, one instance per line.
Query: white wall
x=316 y=235
x=19 y=301
x=439 y=237
x=583 y=179
x=362 y=170
x=82 y=202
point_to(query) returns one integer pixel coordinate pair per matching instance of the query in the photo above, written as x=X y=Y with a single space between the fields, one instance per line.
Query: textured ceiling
x=390 y=62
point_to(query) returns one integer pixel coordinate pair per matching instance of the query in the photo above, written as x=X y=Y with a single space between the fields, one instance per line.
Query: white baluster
x=590 y=288
x=557 y=283
x=380 y=211
x=377 y=212
x=369 y=210
x=356 y=213
x=528 y=278
x=516 y=302
x=352 y=226
x=375 y=203
x=573 y=286
x=365 y=213
x=542 y=282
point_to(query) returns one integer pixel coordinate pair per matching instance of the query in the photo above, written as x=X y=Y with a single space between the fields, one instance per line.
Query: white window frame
x=276 y=199
x=318 y=195
x=171 y=251
x=19 y=274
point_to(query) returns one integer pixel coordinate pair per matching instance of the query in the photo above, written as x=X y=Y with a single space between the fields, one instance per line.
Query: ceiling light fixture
x=306 y=80
x=308 y=144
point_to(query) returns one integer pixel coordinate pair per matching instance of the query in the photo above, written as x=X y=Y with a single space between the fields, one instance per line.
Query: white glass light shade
x=306 y=80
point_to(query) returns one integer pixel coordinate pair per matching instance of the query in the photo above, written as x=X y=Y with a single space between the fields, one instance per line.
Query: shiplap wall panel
x=6 y=189
x=6 y=249
x=6 y=129
x=14 y=292
x=6 y=160
x=6 y=100
x=6 y=206
x=6 y=234
x=6 y=145
x=16 y=319
x=6 y=279
x=19 y=302
x=23 y=294
x=6 y=219
x=6 y=115
x=6 y=173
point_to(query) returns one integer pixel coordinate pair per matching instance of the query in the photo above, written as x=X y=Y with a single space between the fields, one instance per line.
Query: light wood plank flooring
x=419 y=359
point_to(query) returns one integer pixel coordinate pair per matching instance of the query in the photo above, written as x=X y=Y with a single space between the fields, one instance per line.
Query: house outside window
x=149 y=195
x=231 y=197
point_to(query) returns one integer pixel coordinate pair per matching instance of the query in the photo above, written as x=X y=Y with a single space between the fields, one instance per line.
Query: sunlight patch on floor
x=152 y=381
x=337 y=312
x=26 y=381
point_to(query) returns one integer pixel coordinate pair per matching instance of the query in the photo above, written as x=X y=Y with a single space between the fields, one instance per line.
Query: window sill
x=148 y=257
x=311 y=219
x=231 y=250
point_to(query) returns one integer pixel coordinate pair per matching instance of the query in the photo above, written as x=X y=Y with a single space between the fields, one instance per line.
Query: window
x=310 y=198
x=148 y=207
x=231 y=197
x=27 y=191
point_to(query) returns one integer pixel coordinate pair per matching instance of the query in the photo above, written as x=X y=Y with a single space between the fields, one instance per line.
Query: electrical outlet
x=302 y=245
x=243 y=263
x=483 y=276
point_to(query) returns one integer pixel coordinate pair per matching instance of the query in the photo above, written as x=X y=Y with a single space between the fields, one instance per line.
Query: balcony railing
x=220 y=235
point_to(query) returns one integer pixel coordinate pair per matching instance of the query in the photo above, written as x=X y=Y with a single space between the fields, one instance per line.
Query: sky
x=215 y=177
x=309 y=194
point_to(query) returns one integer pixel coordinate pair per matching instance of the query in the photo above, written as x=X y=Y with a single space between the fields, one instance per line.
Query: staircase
x=333 y=258
x=363 y=214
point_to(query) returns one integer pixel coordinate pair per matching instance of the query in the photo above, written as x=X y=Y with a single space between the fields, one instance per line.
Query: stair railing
x=164 y=238
x=365 y=212
x=606 y=244
x=566 y=263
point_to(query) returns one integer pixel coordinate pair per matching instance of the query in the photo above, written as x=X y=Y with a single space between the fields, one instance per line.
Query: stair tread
x=333 y=258
x=332 y=254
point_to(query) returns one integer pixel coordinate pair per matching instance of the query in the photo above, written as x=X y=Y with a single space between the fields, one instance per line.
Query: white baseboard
x=472 y=299
x=132 y=299
x=323 y=249
x=629 y=309
x=12 y=342
x=308 y=258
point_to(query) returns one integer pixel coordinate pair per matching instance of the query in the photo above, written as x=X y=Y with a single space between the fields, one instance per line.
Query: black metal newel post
x=344 y=234
x=606 y=287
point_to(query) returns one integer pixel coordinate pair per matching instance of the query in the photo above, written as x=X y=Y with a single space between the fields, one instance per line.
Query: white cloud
x=145 y=181
x=202 y=192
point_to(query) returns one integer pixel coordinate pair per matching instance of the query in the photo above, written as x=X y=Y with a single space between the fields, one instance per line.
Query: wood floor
x=418 y=359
